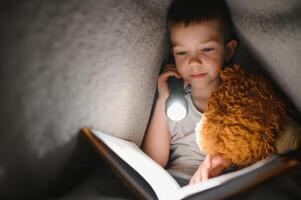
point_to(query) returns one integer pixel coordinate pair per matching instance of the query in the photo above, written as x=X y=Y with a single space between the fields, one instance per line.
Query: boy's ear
x=230 y=49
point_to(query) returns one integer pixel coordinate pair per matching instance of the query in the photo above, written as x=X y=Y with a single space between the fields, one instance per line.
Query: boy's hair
x=187 y=12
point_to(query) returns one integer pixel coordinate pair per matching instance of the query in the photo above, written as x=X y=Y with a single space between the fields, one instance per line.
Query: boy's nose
x=195 y=62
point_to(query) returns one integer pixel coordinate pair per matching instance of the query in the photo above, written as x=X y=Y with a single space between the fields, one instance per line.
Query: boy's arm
x=157 y=139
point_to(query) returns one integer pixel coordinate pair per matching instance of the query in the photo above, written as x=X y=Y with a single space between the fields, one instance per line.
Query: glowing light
x=176 y=111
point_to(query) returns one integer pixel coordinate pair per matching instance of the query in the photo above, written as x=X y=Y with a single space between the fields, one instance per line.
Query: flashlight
x=176 y=105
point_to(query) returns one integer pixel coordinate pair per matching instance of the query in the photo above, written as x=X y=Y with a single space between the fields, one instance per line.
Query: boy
x=201 y=44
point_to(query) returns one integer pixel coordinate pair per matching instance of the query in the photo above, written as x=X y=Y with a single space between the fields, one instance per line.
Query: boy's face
x=199 y=52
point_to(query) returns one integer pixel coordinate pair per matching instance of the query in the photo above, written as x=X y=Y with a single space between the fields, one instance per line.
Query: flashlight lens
x=176 y=111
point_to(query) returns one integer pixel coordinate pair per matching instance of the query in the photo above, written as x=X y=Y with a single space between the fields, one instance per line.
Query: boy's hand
x=212 y=166
x=169 y=70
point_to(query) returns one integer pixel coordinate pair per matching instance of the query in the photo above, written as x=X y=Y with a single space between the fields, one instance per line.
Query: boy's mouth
x=200 y=75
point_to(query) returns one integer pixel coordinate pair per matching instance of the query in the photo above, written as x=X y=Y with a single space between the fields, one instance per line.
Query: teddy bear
x=243 y=119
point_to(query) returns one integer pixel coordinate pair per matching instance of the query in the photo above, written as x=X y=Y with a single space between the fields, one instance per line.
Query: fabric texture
x=242 y=119
x=59 y=66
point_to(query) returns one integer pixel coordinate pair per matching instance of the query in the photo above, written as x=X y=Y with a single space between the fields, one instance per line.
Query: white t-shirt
x=185 y=155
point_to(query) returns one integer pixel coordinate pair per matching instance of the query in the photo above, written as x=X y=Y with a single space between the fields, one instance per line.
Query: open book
x=150 y=181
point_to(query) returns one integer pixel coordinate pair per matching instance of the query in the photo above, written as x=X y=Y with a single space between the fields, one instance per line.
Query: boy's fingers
x=191 y=182
x=208 y=161
x=163 y=77
x=169 y=66
x=216 y=161
x=216 y=171
x=204 y=174
x=196 y=176
x=171 y=70
x=169 y=73
x=195 y=179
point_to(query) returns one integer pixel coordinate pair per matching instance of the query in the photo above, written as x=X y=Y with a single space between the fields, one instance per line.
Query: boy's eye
x=207 y=49
x=181 y=53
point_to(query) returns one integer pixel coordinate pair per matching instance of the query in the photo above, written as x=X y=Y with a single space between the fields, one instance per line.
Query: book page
x=213 y=182
x=163 y=184
x=158 y=178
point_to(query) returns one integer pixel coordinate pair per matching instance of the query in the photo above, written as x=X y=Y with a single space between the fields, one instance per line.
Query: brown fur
x=242 y=119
